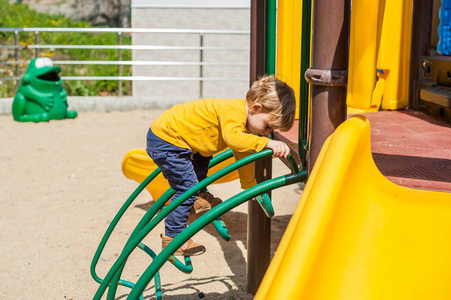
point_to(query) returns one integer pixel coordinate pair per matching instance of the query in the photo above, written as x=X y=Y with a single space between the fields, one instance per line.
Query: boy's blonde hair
x=277 y=99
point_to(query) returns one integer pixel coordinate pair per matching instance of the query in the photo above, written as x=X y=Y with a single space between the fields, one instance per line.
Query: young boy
x=183 y=139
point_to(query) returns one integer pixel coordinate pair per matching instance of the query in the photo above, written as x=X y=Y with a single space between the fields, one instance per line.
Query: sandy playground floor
x=61 y=184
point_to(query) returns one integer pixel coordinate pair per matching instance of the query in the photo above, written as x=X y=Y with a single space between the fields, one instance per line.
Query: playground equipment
x=151 y=219
x=289 y=45
x=444 y=45
x=355 y=233
x=361 y=237
x=153 y=216
x=380 y=40
x=40 y=96
x=137 y=165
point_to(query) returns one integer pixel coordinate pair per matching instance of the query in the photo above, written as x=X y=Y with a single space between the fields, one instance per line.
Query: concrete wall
x=180 y=15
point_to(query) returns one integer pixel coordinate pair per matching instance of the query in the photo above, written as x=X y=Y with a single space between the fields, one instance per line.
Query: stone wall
x=107 y=13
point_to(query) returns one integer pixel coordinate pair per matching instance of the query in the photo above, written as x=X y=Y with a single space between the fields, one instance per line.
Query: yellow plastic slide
x=137 y=165
x=356 y=235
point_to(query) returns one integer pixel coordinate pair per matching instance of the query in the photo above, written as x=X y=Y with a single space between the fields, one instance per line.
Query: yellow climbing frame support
x=137 y=165
x=362 y=54
x=379 y=55
x=393 y=62
x=288 y=59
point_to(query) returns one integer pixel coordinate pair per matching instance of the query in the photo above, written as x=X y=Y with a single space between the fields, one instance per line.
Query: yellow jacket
x=209 y=126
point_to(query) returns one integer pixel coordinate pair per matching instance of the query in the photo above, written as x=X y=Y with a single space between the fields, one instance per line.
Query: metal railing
x=119 y=47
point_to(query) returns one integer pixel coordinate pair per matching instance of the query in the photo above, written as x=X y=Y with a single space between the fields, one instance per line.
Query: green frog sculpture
x=41 y=97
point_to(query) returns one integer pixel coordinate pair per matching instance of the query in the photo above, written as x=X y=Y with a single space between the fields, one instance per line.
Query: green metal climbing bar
x=304 y=89
x=200 y=223
x=151 y=219
x=146 y=218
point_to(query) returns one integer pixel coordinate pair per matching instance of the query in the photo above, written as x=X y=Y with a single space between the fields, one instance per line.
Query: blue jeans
x=183 y=170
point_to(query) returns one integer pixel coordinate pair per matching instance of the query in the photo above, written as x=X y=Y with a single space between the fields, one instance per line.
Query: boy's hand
x=280 y=149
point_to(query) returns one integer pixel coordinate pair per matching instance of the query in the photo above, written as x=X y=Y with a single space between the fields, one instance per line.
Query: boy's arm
x=240 y=141
x=246 y=173
x=243 y=144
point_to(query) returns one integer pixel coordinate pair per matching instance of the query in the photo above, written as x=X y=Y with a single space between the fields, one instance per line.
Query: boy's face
x=258 y=121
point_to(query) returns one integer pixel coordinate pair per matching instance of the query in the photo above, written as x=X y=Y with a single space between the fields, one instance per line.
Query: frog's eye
x=43 y=62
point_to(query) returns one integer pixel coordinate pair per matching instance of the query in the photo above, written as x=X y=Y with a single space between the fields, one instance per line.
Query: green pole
x=270 y=37
x=304 y=91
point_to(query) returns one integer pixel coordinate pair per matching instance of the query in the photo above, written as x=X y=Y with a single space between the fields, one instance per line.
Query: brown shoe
x=204 y=201
x=190 y=248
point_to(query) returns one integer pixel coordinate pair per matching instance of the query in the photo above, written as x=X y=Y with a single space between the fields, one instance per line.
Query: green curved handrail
x=158 y=293
x=115 y=220
x=139 y=233
x=200 y=223
x=186 y=267
x=147 y=217
x=221 y=228
x=160 y=204
x=144 y=225
x=265 y=201
x=266 y=205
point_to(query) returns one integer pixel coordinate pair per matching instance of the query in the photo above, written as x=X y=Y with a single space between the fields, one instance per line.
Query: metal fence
x=119 y=47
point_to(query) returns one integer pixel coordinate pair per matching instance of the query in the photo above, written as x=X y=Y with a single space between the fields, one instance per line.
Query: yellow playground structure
x=372 y=142
x=137 y=165
x=357 y=235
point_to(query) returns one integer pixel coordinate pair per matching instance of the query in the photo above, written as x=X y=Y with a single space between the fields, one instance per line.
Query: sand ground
x=60 y=186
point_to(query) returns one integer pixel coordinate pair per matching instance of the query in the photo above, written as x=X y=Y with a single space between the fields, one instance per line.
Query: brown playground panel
x=410 y=148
